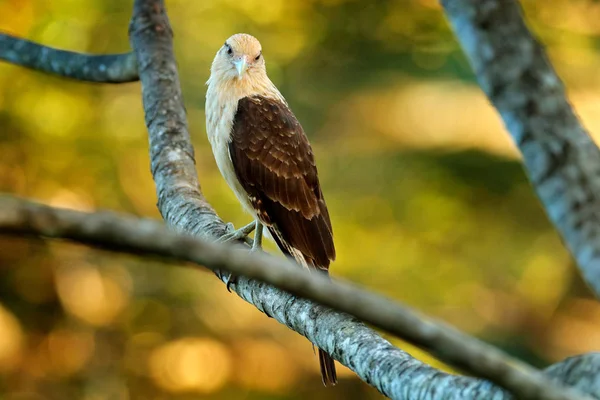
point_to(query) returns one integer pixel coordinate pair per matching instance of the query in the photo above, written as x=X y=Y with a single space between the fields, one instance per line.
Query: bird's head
x=240 y=58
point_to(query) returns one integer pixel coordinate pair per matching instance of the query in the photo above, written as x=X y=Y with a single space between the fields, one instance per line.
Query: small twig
x=113 y=68
x=150 y=237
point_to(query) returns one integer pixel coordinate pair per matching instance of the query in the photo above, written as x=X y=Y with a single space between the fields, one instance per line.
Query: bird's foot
x=258 y=235
x=233 y=235
x=228 y=278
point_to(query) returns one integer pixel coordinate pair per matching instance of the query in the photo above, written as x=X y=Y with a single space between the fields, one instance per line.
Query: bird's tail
x=328 y=374
x=327 y=363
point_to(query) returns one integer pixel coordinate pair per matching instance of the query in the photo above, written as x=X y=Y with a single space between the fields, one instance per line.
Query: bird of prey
x=265 y=157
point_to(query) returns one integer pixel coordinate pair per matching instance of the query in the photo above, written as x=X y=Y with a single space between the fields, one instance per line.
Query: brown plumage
x=264 y=154
x=275 y=165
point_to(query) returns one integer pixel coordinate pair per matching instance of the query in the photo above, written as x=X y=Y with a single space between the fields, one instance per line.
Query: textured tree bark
x=580 y=372
x=393 y=371
x=562 y=161
x=390 y=370
x=180 y=199
x=114 y=68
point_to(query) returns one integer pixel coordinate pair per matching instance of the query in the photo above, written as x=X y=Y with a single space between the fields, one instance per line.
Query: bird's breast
x=219 y=124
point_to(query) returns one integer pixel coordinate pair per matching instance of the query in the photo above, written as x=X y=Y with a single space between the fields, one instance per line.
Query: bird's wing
x=275 y=165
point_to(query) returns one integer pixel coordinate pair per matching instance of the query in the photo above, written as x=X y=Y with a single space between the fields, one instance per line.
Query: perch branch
x=358 y=346
x=113 y=68
x=562 y=161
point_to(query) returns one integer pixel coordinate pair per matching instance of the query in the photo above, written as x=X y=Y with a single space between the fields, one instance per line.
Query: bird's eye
x=229 y=49
x=257 y=57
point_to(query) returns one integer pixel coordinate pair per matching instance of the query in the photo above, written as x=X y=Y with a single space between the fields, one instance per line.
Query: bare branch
x=356 y=345
x=562 y=161
x=113 y=68
x=580 y=372
x=180 y=200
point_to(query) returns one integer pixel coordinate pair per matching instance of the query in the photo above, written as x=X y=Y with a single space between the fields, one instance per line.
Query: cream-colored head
x=240 y=59
x=237 y=71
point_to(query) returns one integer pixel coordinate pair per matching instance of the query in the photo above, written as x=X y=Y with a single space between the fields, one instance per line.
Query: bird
x=266 y=159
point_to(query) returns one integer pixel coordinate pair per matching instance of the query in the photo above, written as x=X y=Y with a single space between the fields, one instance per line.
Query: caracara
x=265 y=157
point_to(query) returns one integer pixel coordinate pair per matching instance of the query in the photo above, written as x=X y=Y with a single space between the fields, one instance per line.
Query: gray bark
x=561 y=160
x=580 y=372
x=110 y=68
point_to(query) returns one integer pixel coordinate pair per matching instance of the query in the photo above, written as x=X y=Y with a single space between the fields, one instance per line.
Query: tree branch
x=391 y=370
x=113 y=68
x=580 y=372
x=180 y=200
x=562 y=161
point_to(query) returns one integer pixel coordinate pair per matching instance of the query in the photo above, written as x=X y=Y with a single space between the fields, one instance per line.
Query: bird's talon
x=231 y=279
x=228 y=278
x=258 y=234
x=235 y=235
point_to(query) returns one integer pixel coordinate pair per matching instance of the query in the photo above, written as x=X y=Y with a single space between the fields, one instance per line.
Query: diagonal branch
x=360 y=347
x=180 y=200
x=113 y=68
x=562 y=161
x=183 y=207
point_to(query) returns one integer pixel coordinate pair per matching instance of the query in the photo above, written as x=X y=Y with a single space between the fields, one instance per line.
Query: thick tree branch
x=562 y=161
x=113 y=68
x=580 y=372
x=359 y=347
x=180 y=200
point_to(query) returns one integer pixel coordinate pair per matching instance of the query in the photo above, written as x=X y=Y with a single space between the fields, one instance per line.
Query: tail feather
x=327 y=363
x=328 y=373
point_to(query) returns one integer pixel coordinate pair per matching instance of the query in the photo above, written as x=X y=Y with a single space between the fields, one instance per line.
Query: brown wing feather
x=274 y=162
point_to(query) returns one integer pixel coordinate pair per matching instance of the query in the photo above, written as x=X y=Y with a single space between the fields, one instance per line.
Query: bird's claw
x=235 y=235
x=258 y=235
x=239 y=234
x=228 y=278
x=231 y=279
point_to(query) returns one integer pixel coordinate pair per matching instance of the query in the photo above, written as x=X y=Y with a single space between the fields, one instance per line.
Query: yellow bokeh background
x=429 y=202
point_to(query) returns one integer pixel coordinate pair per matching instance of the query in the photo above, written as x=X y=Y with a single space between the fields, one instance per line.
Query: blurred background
x=428 y=199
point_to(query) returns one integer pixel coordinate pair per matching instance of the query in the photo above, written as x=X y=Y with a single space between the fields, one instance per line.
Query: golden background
x=428 y=199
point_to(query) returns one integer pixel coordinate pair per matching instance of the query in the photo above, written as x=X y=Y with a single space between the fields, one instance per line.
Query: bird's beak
x=241 y=65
